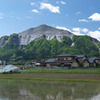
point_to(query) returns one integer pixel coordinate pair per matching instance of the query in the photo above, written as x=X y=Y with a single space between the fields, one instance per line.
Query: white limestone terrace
x=35 y=33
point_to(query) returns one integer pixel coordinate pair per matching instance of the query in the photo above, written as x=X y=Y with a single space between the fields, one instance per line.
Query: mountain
x=44 y=42
x=25 y=37
x=48 y=31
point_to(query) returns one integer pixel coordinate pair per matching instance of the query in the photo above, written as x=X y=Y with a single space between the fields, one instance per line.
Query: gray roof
x=95 y=58
x=92 y=59
x=50 y=60
x=64 y=55
x=80 y=56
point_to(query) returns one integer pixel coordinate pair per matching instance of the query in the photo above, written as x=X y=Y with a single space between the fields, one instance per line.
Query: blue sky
x=78 y=16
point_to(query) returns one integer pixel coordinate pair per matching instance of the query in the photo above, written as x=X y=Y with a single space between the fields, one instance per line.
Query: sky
x=81 y=17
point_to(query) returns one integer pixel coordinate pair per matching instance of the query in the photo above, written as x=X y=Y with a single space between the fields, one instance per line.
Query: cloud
x=99 y=28
x=77 y=13
x=32 y=3
x=77 y=33
x=83 y=20
x=76 y=29
x=95 y=34
x=53 y=9
x=85 y=31
x=80 y=31
x=35 y=11
x=62 y=2
x=95 y=17
x=63 y=28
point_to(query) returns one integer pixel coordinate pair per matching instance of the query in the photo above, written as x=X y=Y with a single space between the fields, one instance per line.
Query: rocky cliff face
x=3 y=40
x=49 y=32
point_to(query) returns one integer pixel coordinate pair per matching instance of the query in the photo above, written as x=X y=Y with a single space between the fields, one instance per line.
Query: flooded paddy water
x=30 y=90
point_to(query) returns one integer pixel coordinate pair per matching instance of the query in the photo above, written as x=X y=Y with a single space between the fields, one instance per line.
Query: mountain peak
x=37 y=32
x=43 y=25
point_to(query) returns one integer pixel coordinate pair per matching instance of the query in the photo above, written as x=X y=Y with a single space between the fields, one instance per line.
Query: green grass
x=50 y=80
x=77 y=71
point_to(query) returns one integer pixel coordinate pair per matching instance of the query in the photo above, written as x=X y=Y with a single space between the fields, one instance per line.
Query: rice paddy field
x=66 y=75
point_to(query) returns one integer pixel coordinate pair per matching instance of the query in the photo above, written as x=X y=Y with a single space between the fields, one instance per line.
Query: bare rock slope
x=35 y=33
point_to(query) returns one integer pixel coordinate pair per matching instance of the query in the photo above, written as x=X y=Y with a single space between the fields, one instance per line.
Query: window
x=60 y=58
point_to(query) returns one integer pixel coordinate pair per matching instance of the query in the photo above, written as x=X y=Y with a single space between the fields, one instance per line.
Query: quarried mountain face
x=48 y=31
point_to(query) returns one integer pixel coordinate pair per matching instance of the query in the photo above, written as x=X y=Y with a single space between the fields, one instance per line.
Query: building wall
x=97 y=61
x=86 y=64
x=48 y=65
x=69 y=58
x=51 y=64
x=74 y=64
x=60 y=58
x=82 y=59
x=56 y=58
x=64 y=58
x=94 y=64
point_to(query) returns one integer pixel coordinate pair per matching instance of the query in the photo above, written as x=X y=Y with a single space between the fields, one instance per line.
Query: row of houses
x=69 y=60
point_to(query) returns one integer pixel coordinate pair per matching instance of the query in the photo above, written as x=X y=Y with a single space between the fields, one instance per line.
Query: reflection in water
x=29 y=90
x=97 y=97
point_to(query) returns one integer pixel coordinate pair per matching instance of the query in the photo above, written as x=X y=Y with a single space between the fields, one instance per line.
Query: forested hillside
x=44 y=49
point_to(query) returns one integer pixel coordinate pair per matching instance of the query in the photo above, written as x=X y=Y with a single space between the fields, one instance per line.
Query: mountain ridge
x=34 y=44
x=33 y=34
x=37 y=32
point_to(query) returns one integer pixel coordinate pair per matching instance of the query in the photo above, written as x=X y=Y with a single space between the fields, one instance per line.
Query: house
x=65 y=57
x=63 y=60
x=86 y=63
x=81 y=57
x=90 y=62
x=97 y=60
x=51 y=62
x=71 y=61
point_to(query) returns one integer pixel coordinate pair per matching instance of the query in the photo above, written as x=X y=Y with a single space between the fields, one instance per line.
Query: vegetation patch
x=75 y=71
x=44 y=49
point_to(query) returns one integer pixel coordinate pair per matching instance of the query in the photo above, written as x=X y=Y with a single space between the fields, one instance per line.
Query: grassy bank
x=75 y=71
